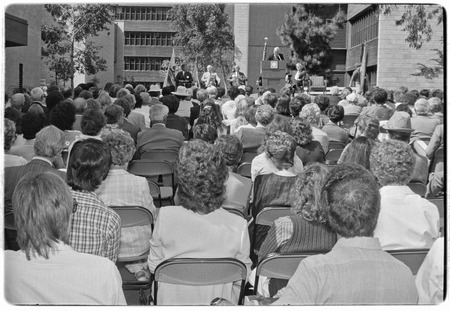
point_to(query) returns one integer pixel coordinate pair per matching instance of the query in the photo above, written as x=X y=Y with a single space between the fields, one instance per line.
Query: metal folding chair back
x=234 y=210
x=200 y=272
x=248 y=156
x=413 y=258
x=279 y=266
x=152 y=170
x=332 y=156
x=418 y=188
x=244 y=169
x=132 y=216
x=336 y=145
x=349 y=121
x=269 y=214
x=437 y=162
x=160 y=155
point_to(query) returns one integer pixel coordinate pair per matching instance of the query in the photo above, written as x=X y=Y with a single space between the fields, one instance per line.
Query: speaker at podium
x=273 y=74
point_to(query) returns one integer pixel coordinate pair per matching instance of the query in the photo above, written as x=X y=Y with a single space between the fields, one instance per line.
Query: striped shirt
x=95 y=227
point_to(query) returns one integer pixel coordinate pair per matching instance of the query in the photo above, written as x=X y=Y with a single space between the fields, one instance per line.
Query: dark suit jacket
x=158 y=137
x=130 y=128
x=184 y=79
x=15 y=173
x=272 y=57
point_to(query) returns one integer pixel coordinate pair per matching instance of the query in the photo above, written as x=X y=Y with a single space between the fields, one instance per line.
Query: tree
x=309 y=37
x=204 y=36
x=417 y=21
x=69 y=37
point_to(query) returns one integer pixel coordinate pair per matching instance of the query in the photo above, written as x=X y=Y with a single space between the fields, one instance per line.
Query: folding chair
x=440 y=204
x=154 y=170
x=418 y=188
x=244 y=169
x=279 y=266
x=336 y=145
x=266 y=217
x=248 y=156
x=413 y=258
x=318 y=84
x=332 y=156
x=160 y=155
x=155 y=191
x=234 y=211
x=133 y=216
x=437 y=162
x=200 y=272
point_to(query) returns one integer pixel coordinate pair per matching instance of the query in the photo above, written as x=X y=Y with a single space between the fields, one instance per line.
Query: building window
x=149 y=38
x=143 y=63
x=142 y=13
x=364 y=28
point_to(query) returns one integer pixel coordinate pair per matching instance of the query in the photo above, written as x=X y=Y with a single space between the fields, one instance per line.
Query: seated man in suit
x=47 y=147
x=158 y=137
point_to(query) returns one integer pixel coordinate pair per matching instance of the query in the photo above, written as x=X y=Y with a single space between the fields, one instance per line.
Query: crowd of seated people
x=79 y=144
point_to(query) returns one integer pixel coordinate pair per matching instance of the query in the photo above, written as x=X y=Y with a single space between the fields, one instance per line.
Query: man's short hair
x=42 y=206
x=392 y=162
x=202 y=95
x=270 y=99
x=32 y=122
x=122 y=102
x=86 y=94
x=88 y=164
x=49 y=142
x=248 y=90
x=122 y=92
x=264 y=114
x=37 y=94
x=422 y=107
x=352 y=201
x=336 y=113
x=172 y=102
x=80 y=104
x=435 y=104
x=63 y=115
x=158 y=112
x=379 y=95
x=92 y=122
x=322 y=101
x=233 y=92
x=113 y=114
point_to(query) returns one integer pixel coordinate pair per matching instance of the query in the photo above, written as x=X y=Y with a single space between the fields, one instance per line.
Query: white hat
x=154 y=88
x=181 y=91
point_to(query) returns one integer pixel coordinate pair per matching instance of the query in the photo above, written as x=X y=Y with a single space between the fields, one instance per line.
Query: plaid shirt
x=121 y=188
x=95 y=227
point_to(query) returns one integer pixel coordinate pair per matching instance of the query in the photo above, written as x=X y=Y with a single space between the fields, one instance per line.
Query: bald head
x=80 y=104
x=17 y=101
x=37 y=94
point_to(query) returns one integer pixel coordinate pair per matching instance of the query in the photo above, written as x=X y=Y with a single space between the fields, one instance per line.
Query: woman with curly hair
x=308 y=149
x=311 y=114
x=210 y=114
x=406 y=220
x=306 y=230
x=198 y=227
x=121 y=188
x=357 y=152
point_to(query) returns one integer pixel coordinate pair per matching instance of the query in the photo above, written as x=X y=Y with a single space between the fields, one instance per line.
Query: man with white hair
x=276 y=54
x=17 y=101
x=37 y=97
x=158 y=137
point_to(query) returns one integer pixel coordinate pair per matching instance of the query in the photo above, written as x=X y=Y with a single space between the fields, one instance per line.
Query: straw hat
x=154 y=88
x=181 y=91
x=399 y=122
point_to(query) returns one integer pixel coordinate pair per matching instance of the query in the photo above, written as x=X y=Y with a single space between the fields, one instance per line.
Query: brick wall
x=397 y=61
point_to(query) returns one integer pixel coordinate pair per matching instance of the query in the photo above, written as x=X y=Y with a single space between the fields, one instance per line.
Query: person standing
x=276 y=54
x=237 y=78
x=184 y=77
x=210 y=78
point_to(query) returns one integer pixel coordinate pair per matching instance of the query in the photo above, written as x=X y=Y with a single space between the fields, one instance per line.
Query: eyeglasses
x=75 y=206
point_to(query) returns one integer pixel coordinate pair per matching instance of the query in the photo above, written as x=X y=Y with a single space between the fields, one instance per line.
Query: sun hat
x=399 y=122
x=181 y=91
x=154 y=88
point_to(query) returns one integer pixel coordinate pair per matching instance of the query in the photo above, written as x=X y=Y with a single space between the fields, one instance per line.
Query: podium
x=273 y=74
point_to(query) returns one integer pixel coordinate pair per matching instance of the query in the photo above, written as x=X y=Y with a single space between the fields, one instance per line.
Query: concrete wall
x=397 y=61
x=30 y=55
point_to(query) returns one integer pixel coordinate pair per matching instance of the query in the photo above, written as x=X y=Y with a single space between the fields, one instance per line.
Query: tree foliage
x=203 y=35
x=417 y=22
x=309 y=37
x=73 y=26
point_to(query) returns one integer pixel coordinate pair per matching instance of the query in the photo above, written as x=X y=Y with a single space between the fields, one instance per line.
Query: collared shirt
x=66 y=278
x=95 y=227
x=355 y=271
x=121 y=188
x=43 y=159
x=406 y=220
